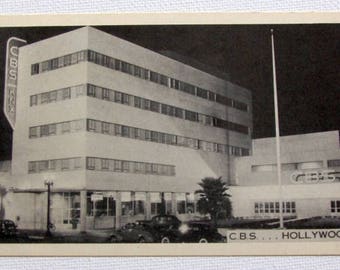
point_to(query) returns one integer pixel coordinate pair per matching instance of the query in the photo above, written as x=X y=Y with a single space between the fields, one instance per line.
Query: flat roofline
x=325 y=133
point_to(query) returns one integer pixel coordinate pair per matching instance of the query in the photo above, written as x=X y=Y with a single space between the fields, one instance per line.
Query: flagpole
x=277 y=133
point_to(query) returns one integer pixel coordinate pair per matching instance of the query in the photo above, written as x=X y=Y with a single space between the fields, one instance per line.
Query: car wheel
x=141 y=240
x=165 y=240
x=203 y=240
x=113 y=239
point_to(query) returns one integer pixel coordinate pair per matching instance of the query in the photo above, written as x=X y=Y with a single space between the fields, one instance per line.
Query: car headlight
x=184 y=228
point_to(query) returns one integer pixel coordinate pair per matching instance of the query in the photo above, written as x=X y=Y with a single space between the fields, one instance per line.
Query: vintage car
x=194 y=232
x=132 y=233
x=8 y=229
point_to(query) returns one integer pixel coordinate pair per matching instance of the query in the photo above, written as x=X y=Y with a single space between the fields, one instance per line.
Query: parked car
x=162 y=227
x=8 y=229
x=194 y=232
x=132 y=233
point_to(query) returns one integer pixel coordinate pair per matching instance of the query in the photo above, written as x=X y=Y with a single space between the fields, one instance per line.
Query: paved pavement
x=39 y=236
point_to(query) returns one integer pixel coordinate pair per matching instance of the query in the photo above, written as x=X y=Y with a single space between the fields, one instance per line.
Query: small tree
x=214 y=199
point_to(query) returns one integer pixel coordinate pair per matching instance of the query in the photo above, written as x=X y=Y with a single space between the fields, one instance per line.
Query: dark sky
x=307 y=62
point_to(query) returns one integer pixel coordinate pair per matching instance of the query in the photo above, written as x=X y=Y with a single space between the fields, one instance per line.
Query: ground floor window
x=168 y=202
x=274 y=207
x=126 y=204
x=156 y=203
x=335 y=206
x=181 y=203
x=71 y=207
x=100 y=208
x=139 y=199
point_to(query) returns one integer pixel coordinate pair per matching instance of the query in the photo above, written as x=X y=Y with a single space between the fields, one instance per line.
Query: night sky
x=307 y=63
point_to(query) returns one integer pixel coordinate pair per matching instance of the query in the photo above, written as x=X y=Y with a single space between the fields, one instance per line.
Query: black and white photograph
x=170 y=134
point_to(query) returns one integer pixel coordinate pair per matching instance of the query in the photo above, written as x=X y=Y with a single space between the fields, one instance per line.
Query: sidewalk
x=39 y=236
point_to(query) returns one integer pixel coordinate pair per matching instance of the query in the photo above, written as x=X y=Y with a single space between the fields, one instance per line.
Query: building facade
x=123 y=133
x=310 y=172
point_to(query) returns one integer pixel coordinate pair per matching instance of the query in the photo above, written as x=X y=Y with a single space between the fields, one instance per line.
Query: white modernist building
x=123 y=133
x=310 y=171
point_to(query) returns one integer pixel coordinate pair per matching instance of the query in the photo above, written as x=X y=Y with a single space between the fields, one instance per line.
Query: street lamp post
x=48 y=184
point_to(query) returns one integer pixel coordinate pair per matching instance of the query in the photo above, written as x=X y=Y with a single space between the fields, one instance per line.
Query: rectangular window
x=154 y=77
x=66 y=127
x=137 y=102
x=53 y=96
x=54 y=63
x=105 y=128
x=118 y=130
x=65 y=164
x=90 y=163
x=333 y=163
x=44 y=66
x=32 y=167
x=335 y=206
x=33 y=100
x=125 y=166
x=137 y=71
x=145 y=104
x=91 y=90
x=67 y=60
x=44 y=130
x=125 y=131
x=91 y=125
x=118 y=165
x=51 y=164
x=202 y=93
x=125 y=99
x=44 y=98
x=178 y=113
x=77 y=163
x=174 y=84
x=52 y=129
x=211 y=96
x=117 y=64
x=154 y=106
x=164 y=80
x=154 y=136
x=35 y=69
x=191 y=116
x=105 y=164
x=43 y=165
x=118 y=97
x=33 y=132
x=66 y=93
x=188 y=88
x=106 y=94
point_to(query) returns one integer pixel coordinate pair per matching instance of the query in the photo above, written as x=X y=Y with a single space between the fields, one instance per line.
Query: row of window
x=137 y=102
x=58 y=95
x=296 y=166
x=55 y=165
x=56 y=128
x=150 y=105
x=100 y=164
x=333 y=163
x=274 y=207
x=119 y=65
x=133 y=133
x=126 y=166
x=159 y=137
x=134 y=203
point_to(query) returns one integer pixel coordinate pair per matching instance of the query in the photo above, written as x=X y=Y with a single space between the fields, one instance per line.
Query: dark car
x=194 y=232
x=162 y=227
x=132 y=233
x=8 y=229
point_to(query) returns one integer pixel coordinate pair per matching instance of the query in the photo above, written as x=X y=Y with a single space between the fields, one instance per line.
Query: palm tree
x=214 y=199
